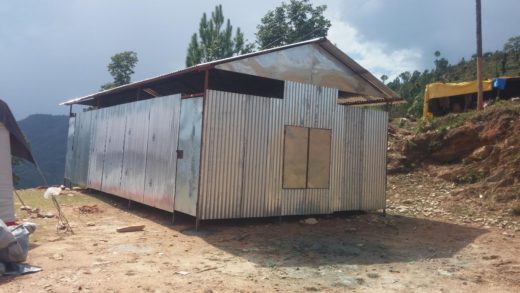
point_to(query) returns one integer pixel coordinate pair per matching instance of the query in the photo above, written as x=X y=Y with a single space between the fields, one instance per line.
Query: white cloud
x=375 y=56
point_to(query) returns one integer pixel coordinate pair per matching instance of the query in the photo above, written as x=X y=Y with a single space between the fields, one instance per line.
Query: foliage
x=410 y=85
x=15 y=162
x=121 y=68
x=290 y=23
x=215 y=41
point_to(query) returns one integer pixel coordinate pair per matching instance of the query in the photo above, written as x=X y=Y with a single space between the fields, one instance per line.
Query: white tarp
x=6 y=177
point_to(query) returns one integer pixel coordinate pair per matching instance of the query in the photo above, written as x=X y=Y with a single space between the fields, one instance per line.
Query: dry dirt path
x=402 y=252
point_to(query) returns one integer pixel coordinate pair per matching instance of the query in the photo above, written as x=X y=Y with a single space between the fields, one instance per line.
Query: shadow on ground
x=341 y=238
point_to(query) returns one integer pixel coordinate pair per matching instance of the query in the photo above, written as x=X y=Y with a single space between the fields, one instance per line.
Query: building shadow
x=337 y=239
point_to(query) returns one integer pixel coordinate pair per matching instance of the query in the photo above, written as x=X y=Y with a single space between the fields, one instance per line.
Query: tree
x=121 y=68
x=384 y=78
x=290 y=23
x=512 y=47
x=215 y=41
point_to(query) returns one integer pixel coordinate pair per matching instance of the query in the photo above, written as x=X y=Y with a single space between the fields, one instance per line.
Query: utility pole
x=480 y=94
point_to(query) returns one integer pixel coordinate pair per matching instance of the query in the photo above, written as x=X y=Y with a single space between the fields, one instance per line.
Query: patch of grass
x=34 y=198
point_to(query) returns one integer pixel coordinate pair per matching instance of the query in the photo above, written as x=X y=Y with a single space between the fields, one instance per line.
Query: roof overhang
x=315 y=61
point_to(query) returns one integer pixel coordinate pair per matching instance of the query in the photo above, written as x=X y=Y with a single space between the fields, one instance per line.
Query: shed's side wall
x=6 y=177
x=242 y=154
x=127 y=150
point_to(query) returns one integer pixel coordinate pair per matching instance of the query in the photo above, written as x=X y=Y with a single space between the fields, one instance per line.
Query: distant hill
x=410 y=85
x=47 y=135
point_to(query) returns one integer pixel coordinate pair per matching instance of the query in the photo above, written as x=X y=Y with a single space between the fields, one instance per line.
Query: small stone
x=90 y=224
x=309 y=221
x=373 y=275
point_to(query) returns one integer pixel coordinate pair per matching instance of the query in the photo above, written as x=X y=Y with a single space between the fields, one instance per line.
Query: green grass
x=454 y=120
x=34 y=199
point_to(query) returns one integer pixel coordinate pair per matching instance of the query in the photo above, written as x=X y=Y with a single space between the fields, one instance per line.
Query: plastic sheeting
x=439 y=90
x=6 y=177
x=14 y=247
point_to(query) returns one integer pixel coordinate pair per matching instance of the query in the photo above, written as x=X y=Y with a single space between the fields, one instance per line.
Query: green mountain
x=47 y=135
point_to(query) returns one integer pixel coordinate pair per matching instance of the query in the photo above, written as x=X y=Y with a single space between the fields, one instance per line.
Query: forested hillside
x=47 y=135
x=410 y=85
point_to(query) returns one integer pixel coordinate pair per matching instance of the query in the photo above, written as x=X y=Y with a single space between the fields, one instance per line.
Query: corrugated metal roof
x=386 y=93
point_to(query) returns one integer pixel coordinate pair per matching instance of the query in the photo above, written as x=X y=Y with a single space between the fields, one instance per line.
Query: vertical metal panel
x=136 y=142
x=187 y=175
x=163 y=132
x=374 y=164
x=97 y=148
x=223 y=161
x=353 y=158
x=114 y=149
x=81 y=153
x=256 y=141
x=70 y=149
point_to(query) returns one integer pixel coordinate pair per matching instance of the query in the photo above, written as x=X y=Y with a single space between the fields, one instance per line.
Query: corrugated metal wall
x=128 y=150
x=242 y=154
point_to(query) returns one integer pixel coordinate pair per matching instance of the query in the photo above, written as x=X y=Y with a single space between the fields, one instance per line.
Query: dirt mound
x=478 y=150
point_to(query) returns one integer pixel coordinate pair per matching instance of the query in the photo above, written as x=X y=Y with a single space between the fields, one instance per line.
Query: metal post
x=480 y=94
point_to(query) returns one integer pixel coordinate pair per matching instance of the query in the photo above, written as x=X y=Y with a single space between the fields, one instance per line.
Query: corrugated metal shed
x=230 y=147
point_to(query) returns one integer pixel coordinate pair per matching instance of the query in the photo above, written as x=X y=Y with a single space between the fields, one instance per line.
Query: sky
x=55 y=50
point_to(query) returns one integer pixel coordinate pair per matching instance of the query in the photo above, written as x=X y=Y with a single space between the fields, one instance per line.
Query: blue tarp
x=499 y=83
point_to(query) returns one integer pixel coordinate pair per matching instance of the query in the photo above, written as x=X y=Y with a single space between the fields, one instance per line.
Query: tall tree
x=290 y=23
x=512 y=47
x=215 y=40
x=121 y=68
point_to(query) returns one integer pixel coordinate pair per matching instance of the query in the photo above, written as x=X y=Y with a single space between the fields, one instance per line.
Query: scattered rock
x=309 y=221
x=130 y=229
x=490 y=257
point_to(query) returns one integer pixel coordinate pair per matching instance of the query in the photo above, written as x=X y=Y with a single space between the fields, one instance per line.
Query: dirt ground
x=422 y=245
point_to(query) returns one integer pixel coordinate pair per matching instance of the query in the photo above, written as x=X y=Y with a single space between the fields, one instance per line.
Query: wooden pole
x=480 y=94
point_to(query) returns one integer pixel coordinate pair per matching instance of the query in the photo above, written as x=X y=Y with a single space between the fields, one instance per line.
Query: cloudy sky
x=54 y=50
